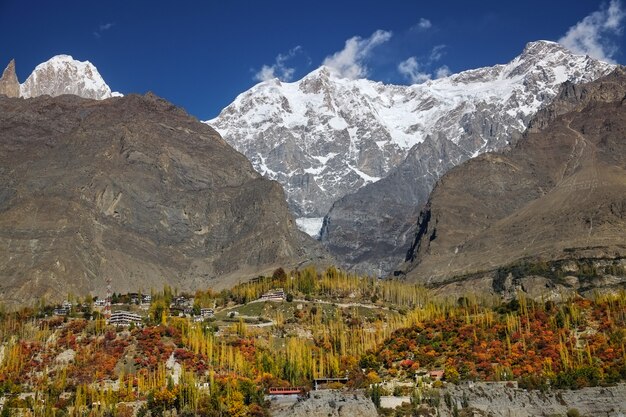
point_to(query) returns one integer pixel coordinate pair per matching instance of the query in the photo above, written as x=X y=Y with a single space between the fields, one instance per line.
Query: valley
x=219 y=353
x=357 y=235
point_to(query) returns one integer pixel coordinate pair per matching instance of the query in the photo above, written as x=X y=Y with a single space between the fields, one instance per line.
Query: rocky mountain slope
x=134 y=190
x=371 y=230
x=61 y=74
x=324 y=137
x=559 y=194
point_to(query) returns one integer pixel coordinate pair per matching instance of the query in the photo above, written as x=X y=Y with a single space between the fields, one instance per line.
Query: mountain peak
x=317 y=80
x=542 y=46
x=10 y=69
x=322 y=71
x=63 y=57
x=62 y=74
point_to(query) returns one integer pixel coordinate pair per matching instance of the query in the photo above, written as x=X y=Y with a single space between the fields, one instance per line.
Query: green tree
x=369 y=361
x=157 y=309
x=452 y=375
x=375 y=395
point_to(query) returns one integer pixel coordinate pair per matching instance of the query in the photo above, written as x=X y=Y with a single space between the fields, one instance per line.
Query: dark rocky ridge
x=559 y=194
x=135 y=190
x=371 y=230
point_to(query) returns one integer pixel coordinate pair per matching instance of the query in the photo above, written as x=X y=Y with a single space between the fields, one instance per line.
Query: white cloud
x=265 y=73
x=279 y=69
x=424 y=24
x=410 y=68
x=442 y=71
x=589 y=36
x=415 y=72
x=436 y=53
x=350 y=61
x=102 y=28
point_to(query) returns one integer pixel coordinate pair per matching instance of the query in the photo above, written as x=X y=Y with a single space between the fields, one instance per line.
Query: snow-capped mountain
x=62 y=74
x=371 y=230
x=324 y=136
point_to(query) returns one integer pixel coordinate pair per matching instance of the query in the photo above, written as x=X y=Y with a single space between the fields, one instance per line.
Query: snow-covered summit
x=325 y=136
x=62 y=74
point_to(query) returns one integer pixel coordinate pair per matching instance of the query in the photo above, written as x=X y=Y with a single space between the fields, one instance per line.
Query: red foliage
x=478 y=349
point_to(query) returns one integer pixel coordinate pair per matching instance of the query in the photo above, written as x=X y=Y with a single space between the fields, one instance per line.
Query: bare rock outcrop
x=9 y=85
x=331 y=403
x=497 y=400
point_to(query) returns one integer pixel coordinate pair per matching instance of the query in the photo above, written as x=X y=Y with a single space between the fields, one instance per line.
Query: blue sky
x=201 y=54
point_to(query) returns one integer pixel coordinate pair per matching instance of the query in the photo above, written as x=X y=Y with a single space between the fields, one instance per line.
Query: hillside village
x=266 y=346
x=408 y=209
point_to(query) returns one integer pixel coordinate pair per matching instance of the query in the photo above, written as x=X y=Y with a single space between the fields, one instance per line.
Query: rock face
x=134 y=190
x=324 y=137
x=372 y=230
x=63 y=74
x=496 y=400
x=9 y=86
x=559 y=194
x=327 y=403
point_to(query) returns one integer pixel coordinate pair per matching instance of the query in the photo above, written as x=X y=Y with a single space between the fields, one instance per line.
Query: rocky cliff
x=133 y=190
x=559 y=194
x=329 y=403
x=371 y=230
x=497 y=400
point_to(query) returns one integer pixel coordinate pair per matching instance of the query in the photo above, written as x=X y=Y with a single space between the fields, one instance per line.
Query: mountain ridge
x=364 y=155
x=558 y=195
x=59 y=75
x=134 y=190
x=325 y=137
x=388 y=209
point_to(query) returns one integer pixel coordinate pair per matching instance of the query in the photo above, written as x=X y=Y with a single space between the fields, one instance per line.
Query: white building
x=125 y=318
x=274 y=295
